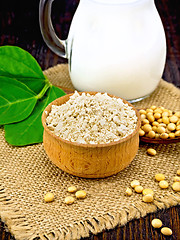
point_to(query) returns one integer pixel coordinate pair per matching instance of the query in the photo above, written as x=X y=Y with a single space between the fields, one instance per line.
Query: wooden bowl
x=89 y=160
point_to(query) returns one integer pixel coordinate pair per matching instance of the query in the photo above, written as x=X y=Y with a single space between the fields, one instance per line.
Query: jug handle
x=57 y=45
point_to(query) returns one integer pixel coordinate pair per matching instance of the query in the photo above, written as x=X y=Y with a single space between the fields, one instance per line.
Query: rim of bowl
x=98 y=145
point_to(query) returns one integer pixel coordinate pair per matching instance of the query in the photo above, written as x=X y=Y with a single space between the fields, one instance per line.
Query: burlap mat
x=26 y=174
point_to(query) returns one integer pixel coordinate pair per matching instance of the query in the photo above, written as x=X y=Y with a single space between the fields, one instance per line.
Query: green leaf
x=30 y=130
x=24 y=93
x=16 y=100
x=18 y=63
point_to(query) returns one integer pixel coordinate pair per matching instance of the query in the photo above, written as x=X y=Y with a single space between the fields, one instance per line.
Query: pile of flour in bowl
x=92 y=119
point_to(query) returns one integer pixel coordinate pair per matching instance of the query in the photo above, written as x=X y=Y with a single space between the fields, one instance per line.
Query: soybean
x=72 y=189
x=69 y=200
x=161 y=129
x=155 y=123
x=81 y=194
x=164 y=135
x=49 y=197
x=149 y=110
x=178 y=127
x=171 y=127
x=151 y=134
x=156 y=223
x=128 y=192
x=142 y=111
x=163 y=184
x=165 y=120
x=159 y=177
x=141 y=133
x=150 y=118
x=147 y=128
x=176 y=179
x=148 y=198
x=153 y=107
x=145 y=121
x=135 y=183
x=172 y=135
x=177 y=114
x=177 y=133
x=166 y=231
x=157 y=115
x=159 y=123
x=151 y=151
x=143 y=116
x=176 y=186
x=147 y=191
x=138 y=189
x=174 y=119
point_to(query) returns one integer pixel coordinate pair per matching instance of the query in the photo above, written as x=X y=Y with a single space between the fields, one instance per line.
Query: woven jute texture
x=26 y=174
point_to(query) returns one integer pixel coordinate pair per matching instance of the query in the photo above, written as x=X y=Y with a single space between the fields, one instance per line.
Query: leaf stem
x=43 y=91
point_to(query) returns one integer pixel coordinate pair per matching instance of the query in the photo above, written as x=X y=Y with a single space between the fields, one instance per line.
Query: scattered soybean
x=49 y=197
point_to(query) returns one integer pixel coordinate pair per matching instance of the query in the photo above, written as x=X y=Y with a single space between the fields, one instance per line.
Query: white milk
x=116 y=48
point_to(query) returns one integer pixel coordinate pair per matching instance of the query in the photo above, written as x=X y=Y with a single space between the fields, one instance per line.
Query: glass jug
x=114 y=46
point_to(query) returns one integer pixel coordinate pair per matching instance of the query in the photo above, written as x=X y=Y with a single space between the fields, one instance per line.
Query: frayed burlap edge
x=15 y=220
x=21 y=228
